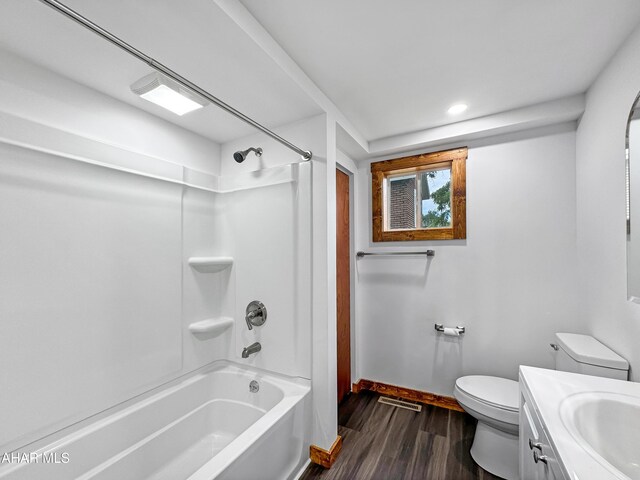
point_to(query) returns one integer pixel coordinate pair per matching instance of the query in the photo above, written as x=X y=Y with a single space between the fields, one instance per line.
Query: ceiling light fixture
x=457 y=108
x=167 y=93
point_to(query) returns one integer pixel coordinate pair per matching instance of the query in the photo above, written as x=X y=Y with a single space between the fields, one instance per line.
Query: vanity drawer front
x=537 y=458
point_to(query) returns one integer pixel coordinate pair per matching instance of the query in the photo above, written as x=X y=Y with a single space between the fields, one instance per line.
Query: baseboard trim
x=407 y=394
x=326 y=458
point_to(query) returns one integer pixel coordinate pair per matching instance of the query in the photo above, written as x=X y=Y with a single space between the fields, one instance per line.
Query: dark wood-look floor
x=383 y=442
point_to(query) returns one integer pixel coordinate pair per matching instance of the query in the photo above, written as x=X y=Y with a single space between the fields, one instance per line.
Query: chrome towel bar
x=428 y=253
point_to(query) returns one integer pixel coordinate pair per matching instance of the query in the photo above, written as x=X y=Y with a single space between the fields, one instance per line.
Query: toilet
x=495 y=401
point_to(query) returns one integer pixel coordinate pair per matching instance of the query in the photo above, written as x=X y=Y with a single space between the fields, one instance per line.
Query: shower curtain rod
x=85 y=22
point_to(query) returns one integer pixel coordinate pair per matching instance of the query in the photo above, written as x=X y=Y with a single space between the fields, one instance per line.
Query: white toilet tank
x=584 y=354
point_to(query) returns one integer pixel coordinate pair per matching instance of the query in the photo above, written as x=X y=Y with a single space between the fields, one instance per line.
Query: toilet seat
x=496 y=398
x=494 y=402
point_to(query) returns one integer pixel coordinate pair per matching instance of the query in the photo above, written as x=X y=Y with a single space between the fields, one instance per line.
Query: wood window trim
x=455 y=158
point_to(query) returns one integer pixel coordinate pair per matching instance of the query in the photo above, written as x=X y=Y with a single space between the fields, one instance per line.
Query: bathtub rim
x=296 y=387
x=219 y=463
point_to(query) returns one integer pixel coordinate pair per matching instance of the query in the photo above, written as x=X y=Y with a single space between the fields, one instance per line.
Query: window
x=421 y=197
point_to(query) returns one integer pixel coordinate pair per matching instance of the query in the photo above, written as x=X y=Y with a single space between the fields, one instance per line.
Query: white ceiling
x=396 y=66
x=194 y=38
x=390 y=67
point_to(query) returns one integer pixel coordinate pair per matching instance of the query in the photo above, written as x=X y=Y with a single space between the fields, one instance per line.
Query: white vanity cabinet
x=538 y=461
x=581 y=427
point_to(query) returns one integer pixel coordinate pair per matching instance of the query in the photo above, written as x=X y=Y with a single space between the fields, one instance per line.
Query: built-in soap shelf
x=210 y=264
x=211 y=325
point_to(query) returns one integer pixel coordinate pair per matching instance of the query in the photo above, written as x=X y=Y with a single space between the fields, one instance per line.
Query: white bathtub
x=203 y=426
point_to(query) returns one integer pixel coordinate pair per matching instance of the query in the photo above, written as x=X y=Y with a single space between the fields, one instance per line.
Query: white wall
x=323 y=281
x=307 y=134
x=511 y=283
x=37 y=94
x=600 y=143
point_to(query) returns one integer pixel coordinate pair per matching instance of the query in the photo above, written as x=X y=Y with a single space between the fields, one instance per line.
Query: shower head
x=241 y=155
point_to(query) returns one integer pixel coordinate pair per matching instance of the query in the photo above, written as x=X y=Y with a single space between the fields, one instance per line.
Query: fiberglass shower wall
x=99 y=216
x=99 y=219
x=268 y=210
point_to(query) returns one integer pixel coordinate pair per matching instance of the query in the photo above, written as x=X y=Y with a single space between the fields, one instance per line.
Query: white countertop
x=548 y=389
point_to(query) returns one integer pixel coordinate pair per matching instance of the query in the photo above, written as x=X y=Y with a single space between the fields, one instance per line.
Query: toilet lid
x=498 y=392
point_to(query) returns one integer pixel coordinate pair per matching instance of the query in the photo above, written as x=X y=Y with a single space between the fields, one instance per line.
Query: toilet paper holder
x=440 y=328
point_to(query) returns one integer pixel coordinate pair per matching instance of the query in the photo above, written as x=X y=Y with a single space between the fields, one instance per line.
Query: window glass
x=402 y=202
x=435 y=198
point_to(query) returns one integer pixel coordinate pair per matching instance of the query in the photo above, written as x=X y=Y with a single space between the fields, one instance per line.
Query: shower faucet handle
x=256 y=314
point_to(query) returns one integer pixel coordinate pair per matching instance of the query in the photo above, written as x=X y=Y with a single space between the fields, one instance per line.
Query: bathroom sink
x=607 y=426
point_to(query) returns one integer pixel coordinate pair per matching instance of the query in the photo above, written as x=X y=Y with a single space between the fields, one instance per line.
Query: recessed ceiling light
x=163 y=91
x=457 y=108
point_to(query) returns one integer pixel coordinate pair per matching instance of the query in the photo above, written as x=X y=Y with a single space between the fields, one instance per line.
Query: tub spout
x=251 y=349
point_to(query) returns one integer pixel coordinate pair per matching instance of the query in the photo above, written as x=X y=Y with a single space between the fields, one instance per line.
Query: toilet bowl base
x=496 y=451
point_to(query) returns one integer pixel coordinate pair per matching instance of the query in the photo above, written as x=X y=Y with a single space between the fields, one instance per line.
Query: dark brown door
x=343 y=284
